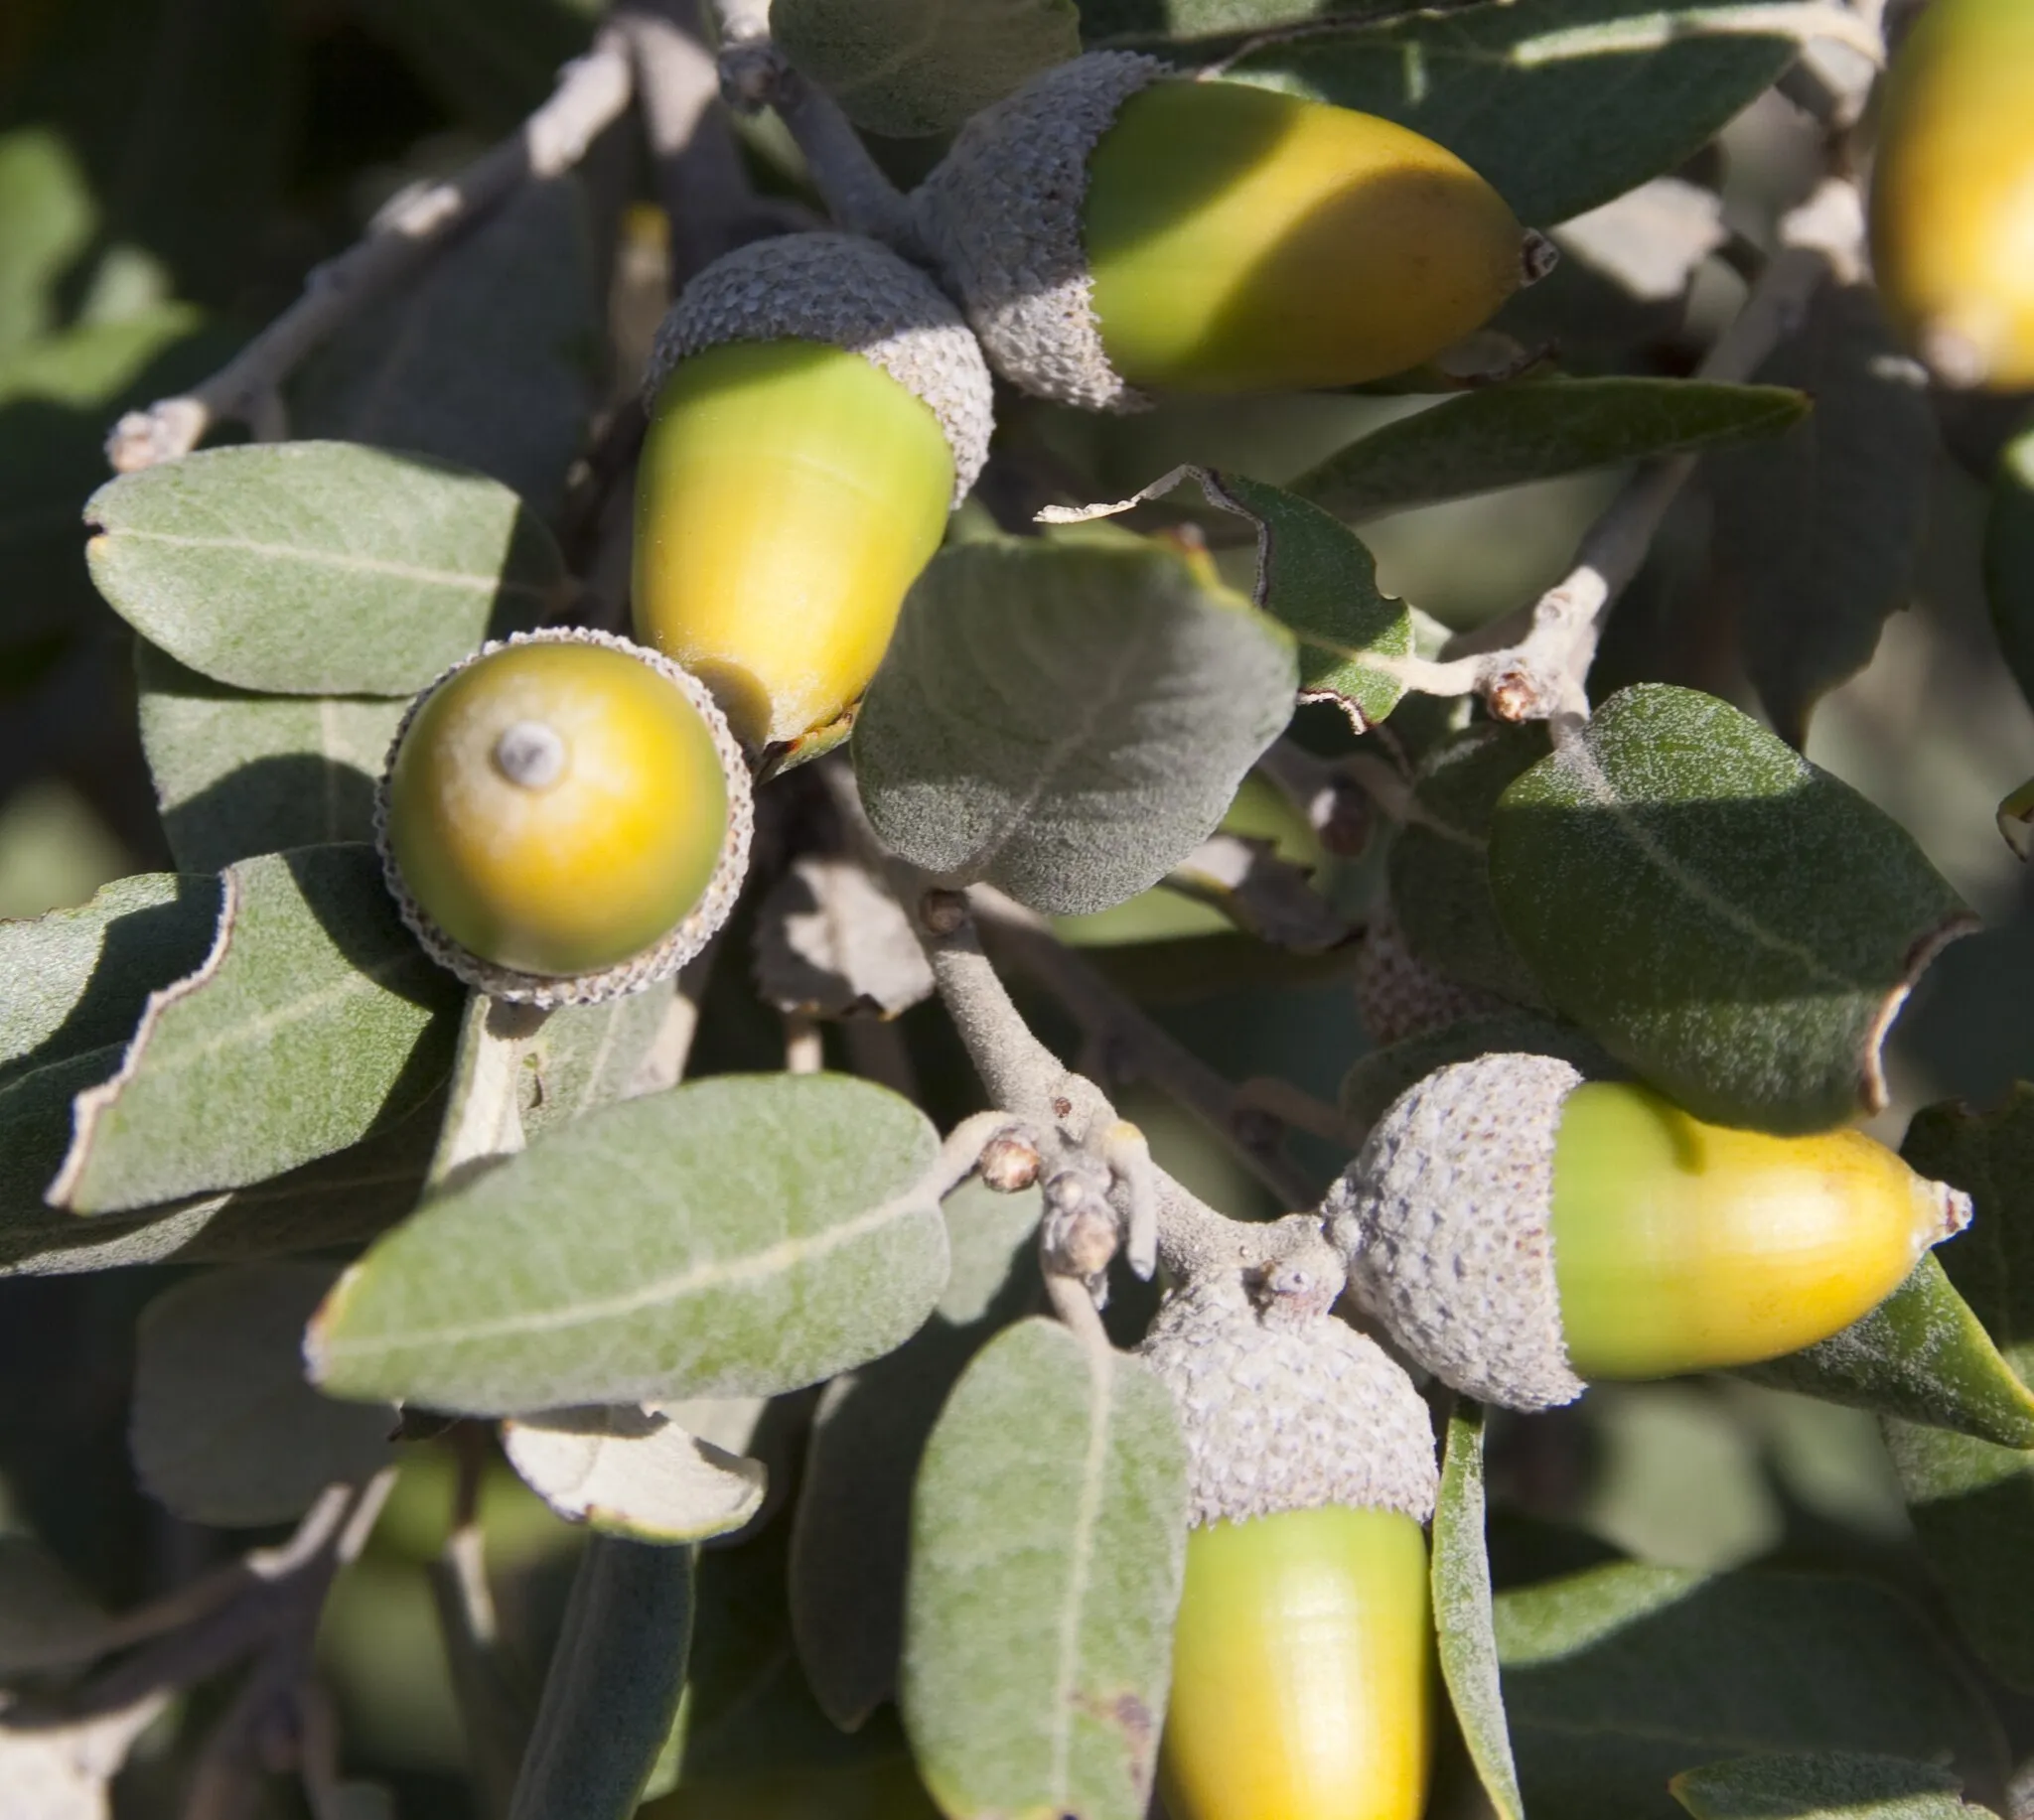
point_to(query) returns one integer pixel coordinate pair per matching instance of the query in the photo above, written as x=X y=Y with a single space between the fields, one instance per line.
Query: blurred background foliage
x=170 y=170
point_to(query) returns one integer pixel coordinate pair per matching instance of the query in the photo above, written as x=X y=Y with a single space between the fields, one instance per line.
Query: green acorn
x=1520 y=1231
x=1112 y=226
x=817 y=408
x=1303 y=1650
x=564 y=819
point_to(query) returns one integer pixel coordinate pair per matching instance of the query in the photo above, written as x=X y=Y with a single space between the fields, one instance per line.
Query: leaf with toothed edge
x=1749 y=925
x=1821 y=528
x=315 y=1020
x=1049 y=1531
x=1462 y=1611
x=1972 y=1501
x=1315 y=577
x=741 y=1235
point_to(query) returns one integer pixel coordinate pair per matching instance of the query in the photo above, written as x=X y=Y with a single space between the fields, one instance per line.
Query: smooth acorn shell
x=1953 y=191
x=1682 y=1246
x=789 y=495
x=1302 y=1670
x=1243 y=240
x=605 y=845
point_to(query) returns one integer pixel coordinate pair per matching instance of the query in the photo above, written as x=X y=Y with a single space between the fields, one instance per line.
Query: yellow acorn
x=1302 y=1682
x=565 y=817
x=1519 y=1231
x=817 y=408
x=1112 y=226
x=1953 y=191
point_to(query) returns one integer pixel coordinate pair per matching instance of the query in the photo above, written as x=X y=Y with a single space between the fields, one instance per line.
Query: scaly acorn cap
x=1002 y=214
x=1470 y=1147
x=1398 y=996
x=848 y=292
x=1519 y=1229
x=1285 y=1407
x=641 y=970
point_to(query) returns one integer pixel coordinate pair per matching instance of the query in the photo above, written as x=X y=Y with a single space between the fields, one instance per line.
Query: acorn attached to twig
x=564 y=819
x=1113 y=226
x=1953 y=191
x=1520 y=1231
x=1303 y=1649
x=817 y=408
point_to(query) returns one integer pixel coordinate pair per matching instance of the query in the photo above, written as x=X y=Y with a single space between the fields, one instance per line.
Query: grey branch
x=861 y=199
x=1140 y=1047
x=1531 y=667
x=640 y=52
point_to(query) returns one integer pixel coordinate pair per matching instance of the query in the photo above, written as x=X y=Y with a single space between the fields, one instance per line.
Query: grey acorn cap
x=848 y=291
x=1002 y=215
x=1287 y=1410
x=655 y=963
x=1444 y=1219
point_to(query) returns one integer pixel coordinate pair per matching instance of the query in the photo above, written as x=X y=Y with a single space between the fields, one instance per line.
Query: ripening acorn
x=1953 y=191
x=816 y=409
x=1521 y=1230
x=1112 y=226
x=1303 y=1653
x=565 y=817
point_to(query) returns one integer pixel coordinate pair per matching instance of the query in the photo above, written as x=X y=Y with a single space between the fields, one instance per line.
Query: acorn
x=816 y=409
x=1303 y=1653
x=1953 y=192
x=565 y=817
x=1113 y=226
x=1521 y=1230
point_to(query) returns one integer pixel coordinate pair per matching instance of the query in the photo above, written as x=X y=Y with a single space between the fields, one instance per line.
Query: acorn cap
x=652 y=964
x=1285 y=1407
x=846 y=291
x=1445 y=1218
x=1398 y=996
x=1002 y=214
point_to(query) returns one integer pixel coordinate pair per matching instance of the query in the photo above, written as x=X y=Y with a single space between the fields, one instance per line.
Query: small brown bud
x=942 y=911
x=1010 y=1162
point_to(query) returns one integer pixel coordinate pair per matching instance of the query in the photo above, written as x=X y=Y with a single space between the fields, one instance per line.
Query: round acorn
x=1113 y=226
x=816 y=409
x=1303 y=1652
x=565 y=817
x=1953 y=192
x=1519 y=1231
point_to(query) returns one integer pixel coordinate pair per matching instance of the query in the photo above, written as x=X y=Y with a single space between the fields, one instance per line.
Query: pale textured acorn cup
x=817 y=408
x=1303 y=1650
x=1218 y=237
x=657 y=962
x=1398 y=996
x=1448 y=1221
x=1953 y=192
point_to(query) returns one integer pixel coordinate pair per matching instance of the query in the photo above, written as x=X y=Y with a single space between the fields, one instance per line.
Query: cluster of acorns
x=553 y=824
x=566 y=817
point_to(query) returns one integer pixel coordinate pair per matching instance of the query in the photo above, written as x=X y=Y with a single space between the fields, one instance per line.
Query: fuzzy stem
x=860 y=198
x=1530 y=665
